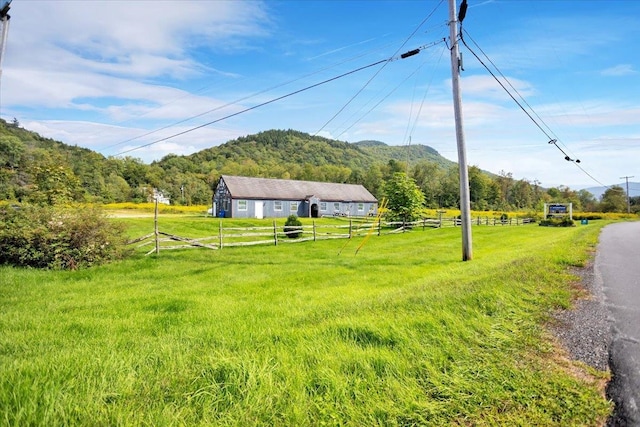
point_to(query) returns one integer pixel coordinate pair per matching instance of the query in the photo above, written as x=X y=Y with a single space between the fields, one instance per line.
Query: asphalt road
x=617 y=265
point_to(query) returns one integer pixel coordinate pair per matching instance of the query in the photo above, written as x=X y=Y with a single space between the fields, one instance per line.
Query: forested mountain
x=411 y=153
x=41 y=170
x=279 y=153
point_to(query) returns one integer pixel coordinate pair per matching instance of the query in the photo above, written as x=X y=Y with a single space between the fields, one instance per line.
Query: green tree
x=449 y=196
x=404 y=198
x=427 y=176
x=554 y=193
x=588 y=201
x=614 y=199
x=116 y=189
x=11 y=151
x=634 y=202
x=479 y=184
x=373 y=181
x=55 y=184
x=521 y=194
x=504 y=182
x=392 y=167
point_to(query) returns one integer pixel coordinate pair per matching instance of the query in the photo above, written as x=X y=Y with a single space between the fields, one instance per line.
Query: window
x=242 y=205
x=294 y=207
x=336 y=206
x=360 y=207
x=323 y=206
x=277 y=205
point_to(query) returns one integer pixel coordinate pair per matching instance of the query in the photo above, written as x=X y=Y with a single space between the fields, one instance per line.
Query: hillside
x=38 y=169
x=293 y=149
x=413 y=153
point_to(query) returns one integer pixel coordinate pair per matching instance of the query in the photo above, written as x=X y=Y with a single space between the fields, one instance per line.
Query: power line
x=253 y=108
x=388 y=95
x=402 y=56
x=385 y=61
x=552 y=140
x=232 y=102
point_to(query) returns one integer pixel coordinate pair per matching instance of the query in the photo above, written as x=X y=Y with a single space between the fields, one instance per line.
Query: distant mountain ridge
x=634 y=189
x=290 y=147
x=41 y=170
x=407 y=153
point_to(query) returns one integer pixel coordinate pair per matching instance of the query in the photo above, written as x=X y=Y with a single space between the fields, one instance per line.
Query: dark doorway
x=314 y=210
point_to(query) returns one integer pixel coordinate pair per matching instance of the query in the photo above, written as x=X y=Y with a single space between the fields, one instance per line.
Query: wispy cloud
x=619 y=70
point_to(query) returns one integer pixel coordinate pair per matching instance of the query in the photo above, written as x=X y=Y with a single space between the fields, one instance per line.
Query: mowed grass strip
x=403 y=333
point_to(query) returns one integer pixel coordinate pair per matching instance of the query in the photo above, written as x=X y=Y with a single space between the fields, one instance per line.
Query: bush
x=589 y=216
x=58 y=238
x=293 y=227
x=557 y=222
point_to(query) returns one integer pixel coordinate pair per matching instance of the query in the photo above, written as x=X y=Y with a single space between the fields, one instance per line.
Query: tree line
x=44 y=171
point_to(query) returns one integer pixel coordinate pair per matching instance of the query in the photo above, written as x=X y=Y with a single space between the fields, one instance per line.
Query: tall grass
x=402 y=333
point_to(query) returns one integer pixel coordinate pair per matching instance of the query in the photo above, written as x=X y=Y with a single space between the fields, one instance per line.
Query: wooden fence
x=276 y=234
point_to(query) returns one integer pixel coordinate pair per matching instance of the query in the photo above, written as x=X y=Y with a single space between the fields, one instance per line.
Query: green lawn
x=403 y=333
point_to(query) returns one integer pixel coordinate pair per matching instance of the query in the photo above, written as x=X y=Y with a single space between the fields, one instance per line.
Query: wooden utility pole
x=4 y=30
x=465 y=202
x=628 y=201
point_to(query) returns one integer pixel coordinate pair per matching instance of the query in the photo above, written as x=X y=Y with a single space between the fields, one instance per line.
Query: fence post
x=275 y=233
x=155 y=228
x=220 y=234
x=350 y=227
x=314 y=230
x=379 y=225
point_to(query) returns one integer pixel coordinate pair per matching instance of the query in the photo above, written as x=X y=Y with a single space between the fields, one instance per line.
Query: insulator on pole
x=410 y=53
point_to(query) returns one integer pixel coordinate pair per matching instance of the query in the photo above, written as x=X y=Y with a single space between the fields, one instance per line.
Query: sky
x=145 y=78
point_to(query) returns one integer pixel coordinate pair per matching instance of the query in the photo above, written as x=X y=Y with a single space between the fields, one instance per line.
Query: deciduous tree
x=614 y=199
x=404 y=198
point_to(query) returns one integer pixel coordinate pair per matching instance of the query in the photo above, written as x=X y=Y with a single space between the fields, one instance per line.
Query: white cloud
x=59 y=51
x=619 y=70
x=487 y=87
x=111 y=71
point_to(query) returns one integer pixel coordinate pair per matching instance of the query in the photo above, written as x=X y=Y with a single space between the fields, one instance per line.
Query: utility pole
x=465 y=202
x=4 y=29
x=628 y=201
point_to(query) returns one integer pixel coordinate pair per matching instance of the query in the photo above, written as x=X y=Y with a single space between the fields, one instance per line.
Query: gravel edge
x=584 y=330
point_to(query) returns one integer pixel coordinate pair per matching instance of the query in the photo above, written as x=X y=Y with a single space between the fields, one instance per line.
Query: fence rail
x=276 y=234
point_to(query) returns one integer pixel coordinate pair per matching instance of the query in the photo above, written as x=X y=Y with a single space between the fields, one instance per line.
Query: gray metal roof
x=242 y=187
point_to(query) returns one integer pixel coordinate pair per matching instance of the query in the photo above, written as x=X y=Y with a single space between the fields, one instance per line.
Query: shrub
x=58 y=238
x=557 y=222
x=293 y=227
x=589 y=216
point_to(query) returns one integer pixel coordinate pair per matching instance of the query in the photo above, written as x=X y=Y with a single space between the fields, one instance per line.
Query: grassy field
x=403 y=333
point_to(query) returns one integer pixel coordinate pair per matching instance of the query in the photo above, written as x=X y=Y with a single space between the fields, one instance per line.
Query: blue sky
x=115 y=75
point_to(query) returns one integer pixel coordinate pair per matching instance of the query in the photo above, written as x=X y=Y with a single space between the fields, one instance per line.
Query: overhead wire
x=415 y=122
x=388 y=94
x=553 y=141
x=198 y=91
x=403 y=56
x=253 y=107
x=218 y=108
x=385 y=62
